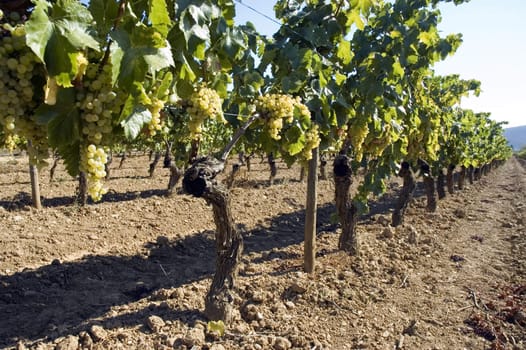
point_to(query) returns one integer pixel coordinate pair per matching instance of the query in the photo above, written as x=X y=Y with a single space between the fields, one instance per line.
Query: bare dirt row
x=132 y=271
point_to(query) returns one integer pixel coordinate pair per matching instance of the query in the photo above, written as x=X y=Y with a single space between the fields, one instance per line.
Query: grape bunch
x=276 y=108
x=203 y=103
x=312 y=141
x=155 y=109
x=20 y=72
x=357 y=134
x=97 y=103
x=92 y=161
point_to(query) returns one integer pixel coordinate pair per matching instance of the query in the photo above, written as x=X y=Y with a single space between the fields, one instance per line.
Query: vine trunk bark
x=462 y=178
x=199 y=181
x=323 y=167
x=273 y=169
x=449 y=178
x=153 y=164
x=347 y=211
x=471 y=172
x=429 y=186
x=406 y=194
x=229 y=247
x=441 y=184
x=82 y=196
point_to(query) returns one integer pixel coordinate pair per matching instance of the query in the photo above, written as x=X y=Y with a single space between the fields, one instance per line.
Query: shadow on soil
x=23 y=199
x=66 y=298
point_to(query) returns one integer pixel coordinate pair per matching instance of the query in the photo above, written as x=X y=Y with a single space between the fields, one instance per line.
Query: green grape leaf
x=55 y=32
x=164 y=87
x=233 y=42
x=104 y=12
x=398 y=69
x=295 y=140
x=135 y=55
x=355 y=18
x=134 y=122
x=70 y=154
x=62 y=119
x=159 y=16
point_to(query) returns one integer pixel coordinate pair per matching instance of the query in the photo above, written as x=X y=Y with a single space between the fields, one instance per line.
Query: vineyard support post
x=310 y=214
x=33 y=175
x=347 y=211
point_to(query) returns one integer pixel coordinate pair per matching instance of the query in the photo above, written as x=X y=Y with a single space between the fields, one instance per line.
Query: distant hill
x=516 y=136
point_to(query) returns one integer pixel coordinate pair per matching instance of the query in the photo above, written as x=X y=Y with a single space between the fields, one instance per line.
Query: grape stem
x=238 y=135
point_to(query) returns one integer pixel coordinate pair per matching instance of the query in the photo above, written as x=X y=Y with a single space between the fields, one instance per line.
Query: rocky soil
x=131 y=272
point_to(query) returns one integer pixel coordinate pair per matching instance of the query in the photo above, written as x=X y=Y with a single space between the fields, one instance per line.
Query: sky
x=493 y=51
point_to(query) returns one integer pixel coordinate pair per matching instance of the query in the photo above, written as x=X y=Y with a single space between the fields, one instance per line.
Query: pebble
x=281 y=343
x=155 y=323
x=195 y=337
x=98 y=333
x=71 y=342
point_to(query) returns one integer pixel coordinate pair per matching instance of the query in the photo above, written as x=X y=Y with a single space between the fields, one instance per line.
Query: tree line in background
x=349 y=78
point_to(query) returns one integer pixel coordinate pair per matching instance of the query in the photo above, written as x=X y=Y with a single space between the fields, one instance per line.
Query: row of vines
x=348 y=78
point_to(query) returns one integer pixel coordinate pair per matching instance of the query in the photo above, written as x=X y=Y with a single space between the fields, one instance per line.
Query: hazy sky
x=493 y=51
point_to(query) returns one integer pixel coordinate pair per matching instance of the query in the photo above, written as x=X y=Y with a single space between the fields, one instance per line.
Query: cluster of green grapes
x=376 y=147
x=339 y=135
x=155 y=124
x=97 y=103
x=276 y=108
x=312 y=141
x=20 y=71
x=203 y=103
x=93 y=160
x=357 y=134
x=11 y=142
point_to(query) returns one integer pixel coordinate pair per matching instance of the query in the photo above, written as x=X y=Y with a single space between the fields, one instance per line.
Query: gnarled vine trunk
x=471 y=174
x=153 y=164
x=347 y=211
x=82 y=195
x=56 y=159
x=273 y=169
x=323 y=167
x=429 y=185
x=462 y=178
x=123 y=158
x=199 y=181
x=449 y=178
x=406 y=194
x=175 y=171
x=107 y=167
x=441 y=184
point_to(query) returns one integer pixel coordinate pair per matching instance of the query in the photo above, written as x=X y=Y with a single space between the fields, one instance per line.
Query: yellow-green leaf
x=344 y=51
x=216 y=326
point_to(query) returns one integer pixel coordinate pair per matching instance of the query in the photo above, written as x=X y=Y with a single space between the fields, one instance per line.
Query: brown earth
x=132 y=271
